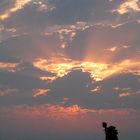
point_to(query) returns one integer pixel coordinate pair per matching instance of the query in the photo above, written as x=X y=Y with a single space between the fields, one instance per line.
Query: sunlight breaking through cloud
x=98 y=71
x=69 y=63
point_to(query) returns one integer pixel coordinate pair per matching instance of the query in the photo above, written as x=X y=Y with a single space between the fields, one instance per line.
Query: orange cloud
x=40 y=92
x=76 y=119
x=53 y=112
x=19 y=4
x=8 y=66
x=124 y=95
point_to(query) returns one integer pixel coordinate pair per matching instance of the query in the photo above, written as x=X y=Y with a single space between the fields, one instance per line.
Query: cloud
x=40 y=92
x=122 y=84
x=61 y=66
x=117 y=53
x=67 y=63
x=8 y=66
x=6 y=91
x=77 y=120
x=18 y=4
x=19 y=81
x=88 y=43
x=74 y=87
x=78 y=88
x=75 y=11
x=38 y=46
x=129 y=6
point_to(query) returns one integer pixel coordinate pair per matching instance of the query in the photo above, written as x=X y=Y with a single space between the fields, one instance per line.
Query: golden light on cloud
x=47 y=78
x=19 y=4
x=98 y=88
x=63 y=68
x=54 y=66
x=40 y=92
x=8 y=66
x=129 y=5
x=98 y=71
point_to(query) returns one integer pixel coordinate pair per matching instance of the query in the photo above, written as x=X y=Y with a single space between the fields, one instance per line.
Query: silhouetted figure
x=110 y=132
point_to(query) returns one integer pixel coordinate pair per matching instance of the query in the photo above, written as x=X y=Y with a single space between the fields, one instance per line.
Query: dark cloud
x=29 y=47
x=10 y=59
x=19 y=81
x=90 y=13
x=72 y=10
x=71 y=86
x=19 y=87
x=76 y=89
x=95 y=41
x=92 y=30
x=5 y=5
x=126 y=83
x=29 y=70
x=63 y=12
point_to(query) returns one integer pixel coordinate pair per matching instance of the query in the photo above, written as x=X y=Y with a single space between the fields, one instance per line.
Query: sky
x=68 y=65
